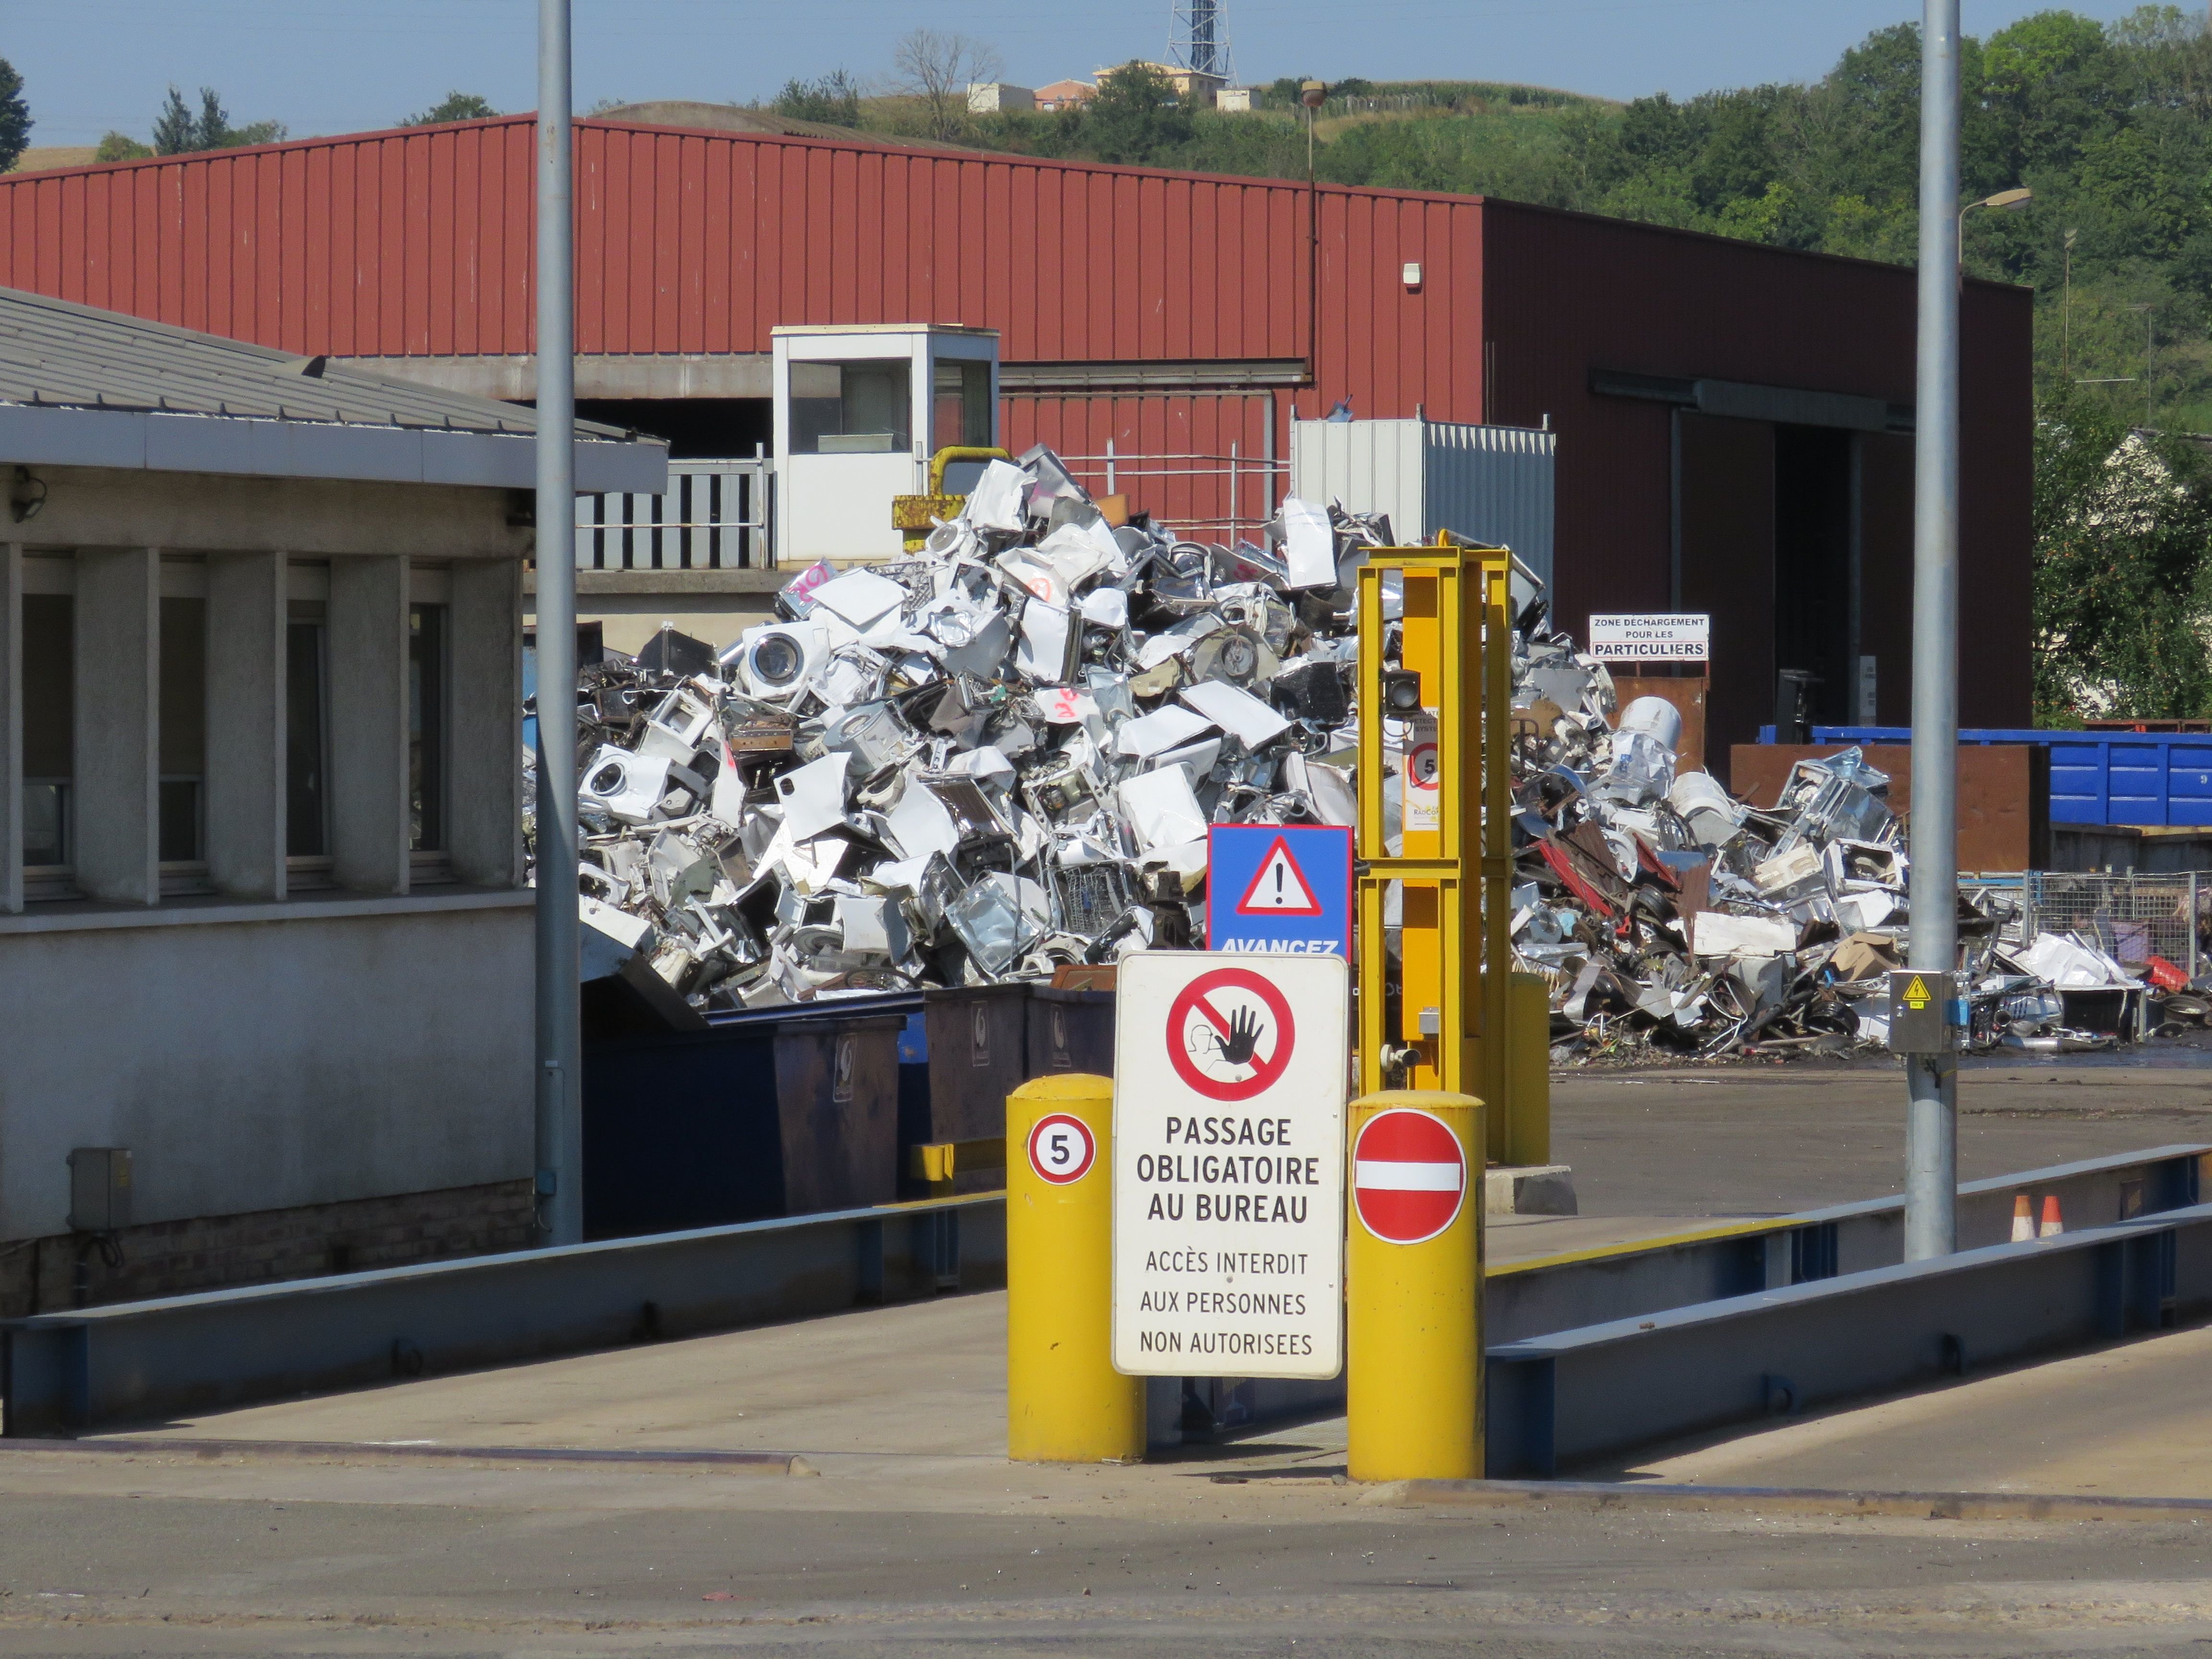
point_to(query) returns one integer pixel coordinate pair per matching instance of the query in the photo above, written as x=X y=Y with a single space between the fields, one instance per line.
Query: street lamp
x=2005 y=201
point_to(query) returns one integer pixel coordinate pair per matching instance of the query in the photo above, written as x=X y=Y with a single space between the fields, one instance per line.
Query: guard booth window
x=851 y=408
x=183 y=730
x=307 y=794
x=49 y=727
x=960 y=405
x=425 y=727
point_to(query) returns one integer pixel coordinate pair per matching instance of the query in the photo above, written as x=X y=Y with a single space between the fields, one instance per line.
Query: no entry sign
x=1229 y=1088
x=1408 y=1177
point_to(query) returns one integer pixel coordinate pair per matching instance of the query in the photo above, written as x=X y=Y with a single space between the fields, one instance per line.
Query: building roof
x=227 y=405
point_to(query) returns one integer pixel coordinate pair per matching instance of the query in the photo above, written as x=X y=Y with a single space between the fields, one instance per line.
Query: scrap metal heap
x=1000 y=755
x=1666 y=915
x=995 y=757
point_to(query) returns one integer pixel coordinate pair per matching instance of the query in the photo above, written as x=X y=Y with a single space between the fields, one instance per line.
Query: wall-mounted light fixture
x=1412 y=276
x=26 y=495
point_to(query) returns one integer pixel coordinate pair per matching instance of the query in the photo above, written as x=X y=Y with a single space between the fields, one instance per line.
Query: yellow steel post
x=1420 y=936
x=1413 y=1309
x=1493 y=1082
x=1528 y=1066
x=1065 y=1401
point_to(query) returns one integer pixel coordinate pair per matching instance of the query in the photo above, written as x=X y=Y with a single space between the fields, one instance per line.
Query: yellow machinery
x=915 y=514
x=1454 y=687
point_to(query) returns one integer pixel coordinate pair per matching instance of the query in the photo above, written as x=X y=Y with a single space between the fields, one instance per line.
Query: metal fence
x=715 y=516
x=2131 y=918
x=1253 y=484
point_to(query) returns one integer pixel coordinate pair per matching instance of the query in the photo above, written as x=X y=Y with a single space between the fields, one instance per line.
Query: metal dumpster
x=1070 y=1031
x=760 y=1116
x=986 y=1040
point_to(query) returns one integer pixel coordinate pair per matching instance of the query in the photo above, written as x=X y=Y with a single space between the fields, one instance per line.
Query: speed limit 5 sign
x=1061 y=1150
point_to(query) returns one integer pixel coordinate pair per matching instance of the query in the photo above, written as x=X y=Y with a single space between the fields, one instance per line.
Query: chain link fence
x=2131 y=917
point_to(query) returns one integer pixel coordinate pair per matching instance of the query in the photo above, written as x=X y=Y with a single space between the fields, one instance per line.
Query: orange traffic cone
x=2023 y=1220
x=2052 y=1226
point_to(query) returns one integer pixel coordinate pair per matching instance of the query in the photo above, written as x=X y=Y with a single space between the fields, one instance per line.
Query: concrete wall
x=342 y=1048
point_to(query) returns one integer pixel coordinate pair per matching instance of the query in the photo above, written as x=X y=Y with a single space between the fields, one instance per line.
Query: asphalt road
x=102 y=1558
x=945 y=1549
x=1769 y=1140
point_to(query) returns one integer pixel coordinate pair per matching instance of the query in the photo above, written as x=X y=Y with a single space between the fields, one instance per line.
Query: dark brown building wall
x=1728 y=568
x=1565 y=295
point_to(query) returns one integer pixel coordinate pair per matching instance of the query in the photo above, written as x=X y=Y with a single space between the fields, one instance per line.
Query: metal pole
x=1931 y=1135
x=560 y=1117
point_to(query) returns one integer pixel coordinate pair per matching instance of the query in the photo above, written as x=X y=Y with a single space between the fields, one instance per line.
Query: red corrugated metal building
x=1733 y=419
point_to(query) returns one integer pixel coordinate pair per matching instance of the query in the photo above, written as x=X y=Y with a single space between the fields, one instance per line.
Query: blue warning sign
x=1284 y=889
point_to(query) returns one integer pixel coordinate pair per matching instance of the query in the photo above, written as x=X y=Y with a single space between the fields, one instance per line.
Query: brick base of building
x=221 y=1252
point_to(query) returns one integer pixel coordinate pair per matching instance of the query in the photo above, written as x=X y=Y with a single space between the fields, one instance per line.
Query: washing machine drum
x=778 y=662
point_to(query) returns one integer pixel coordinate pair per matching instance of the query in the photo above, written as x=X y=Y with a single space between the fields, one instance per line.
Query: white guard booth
x=858 y=412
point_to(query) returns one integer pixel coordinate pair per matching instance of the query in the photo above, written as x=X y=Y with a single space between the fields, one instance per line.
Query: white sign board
x=1229 y=1092
x=1663 y=636
x=1422 y=806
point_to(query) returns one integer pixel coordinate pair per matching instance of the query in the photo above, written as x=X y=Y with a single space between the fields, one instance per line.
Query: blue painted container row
x=2096 y=777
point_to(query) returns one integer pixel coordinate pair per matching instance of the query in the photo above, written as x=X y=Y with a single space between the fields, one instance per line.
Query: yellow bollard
x=1065 y=1401
x=1413 y=1309
x=1528 y=1071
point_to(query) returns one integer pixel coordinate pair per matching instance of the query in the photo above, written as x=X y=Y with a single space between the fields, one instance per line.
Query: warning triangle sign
x=1280 y=887
x=1915 y=994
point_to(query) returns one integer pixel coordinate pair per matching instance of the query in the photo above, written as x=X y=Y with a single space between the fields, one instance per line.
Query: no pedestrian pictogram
x=1229 y=1034
x=1408 y=1177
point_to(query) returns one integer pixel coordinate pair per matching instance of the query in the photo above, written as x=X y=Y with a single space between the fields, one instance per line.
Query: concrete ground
x=917 y=1535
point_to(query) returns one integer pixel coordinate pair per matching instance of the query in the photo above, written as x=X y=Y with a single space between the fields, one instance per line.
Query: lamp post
x=1931 y=1132
x=560 y=1111
x=2005 y=201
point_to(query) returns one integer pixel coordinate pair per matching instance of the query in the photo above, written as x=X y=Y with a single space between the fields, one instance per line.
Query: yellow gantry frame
x=1458 y=633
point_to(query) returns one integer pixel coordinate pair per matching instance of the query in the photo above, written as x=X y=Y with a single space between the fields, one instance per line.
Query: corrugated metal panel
x=1370 y=467
x=1493 y=483
x=419 y=243
x=2155 y=778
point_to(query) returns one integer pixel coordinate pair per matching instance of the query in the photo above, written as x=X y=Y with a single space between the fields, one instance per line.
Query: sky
x=323 y=66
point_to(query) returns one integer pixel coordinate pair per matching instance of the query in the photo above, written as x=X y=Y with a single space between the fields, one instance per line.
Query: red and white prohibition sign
x=1408 y=1177
x=1229 y=1034
x=1061 y=1149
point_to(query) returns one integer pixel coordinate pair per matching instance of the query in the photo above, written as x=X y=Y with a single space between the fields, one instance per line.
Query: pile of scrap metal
x=1666 y=915
x=994 y=757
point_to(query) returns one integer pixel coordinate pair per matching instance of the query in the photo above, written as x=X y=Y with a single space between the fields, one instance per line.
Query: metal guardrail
x=138 y=1360
x=1610 y=1387
x=1580 y=1288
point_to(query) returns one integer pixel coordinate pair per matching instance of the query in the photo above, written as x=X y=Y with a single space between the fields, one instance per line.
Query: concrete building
x=1200 y=85
x=998 y=98
x=1066 y=94
x=262 y=919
